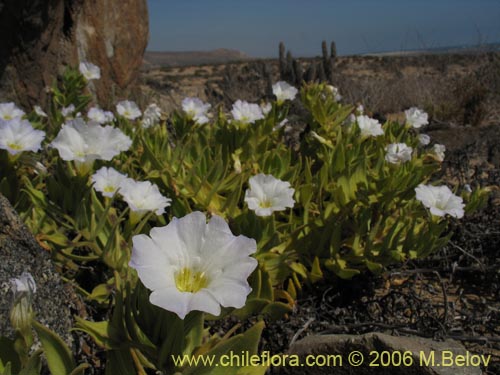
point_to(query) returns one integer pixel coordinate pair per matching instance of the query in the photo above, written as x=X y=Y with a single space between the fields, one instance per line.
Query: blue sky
x=357 y=26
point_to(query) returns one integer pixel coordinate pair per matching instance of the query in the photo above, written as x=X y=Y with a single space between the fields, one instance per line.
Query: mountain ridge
x=186 y=58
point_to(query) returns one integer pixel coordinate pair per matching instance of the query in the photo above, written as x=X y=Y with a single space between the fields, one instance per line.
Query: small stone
x=428 y=357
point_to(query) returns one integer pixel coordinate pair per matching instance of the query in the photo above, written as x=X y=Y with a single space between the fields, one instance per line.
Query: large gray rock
x=40 y=37
x=423 y=350
x=19 y=252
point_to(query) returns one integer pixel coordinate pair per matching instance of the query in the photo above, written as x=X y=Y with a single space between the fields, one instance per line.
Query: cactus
x=311 y=73
x=289 y=68
x=299 y=74
x=333 y=50
x=326 y=58
x=321 y=73
x=268 y=78
x=327 y=63
x=287 y=71
x=282 y=60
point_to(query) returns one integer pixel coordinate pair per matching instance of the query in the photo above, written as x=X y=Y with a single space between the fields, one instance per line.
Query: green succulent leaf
x=59 y=357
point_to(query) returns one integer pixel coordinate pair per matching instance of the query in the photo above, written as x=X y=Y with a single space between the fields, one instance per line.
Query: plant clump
x=213 y=215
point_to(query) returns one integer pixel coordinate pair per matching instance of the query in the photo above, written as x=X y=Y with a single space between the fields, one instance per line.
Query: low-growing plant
x=131 y=191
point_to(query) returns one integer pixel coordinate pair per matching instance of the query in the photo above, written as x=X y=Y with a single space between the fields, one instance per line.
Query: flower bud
x=237 y=162
x=22 y=312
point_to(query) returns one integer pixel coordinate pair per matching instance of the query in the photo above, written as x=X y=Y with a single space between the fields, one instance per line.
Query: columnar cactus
x=321 y=76
x=268 y=77
x=291 y=69
x=299 y=73
x=282 y=60
x=311 y=73
x=327 y=66
x=333 y=50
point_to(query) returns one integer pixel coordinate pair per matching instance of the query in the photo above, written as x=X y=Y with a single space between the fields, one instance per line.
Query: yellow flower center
x=109 y=189
x=265 y=203
x=7 y=117
x=188 y=280
x=15 y=146
x=441 y=206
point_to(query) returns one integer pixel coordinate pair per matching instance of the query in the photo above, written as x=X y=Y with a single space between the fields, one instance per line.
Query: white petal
x=230 y=294
x=204 y=301
x=437 y=212
x=239 y=269
x=189 y=229
x=150 y=263
x=263 y=211
x=167 y=239
x=172 y=299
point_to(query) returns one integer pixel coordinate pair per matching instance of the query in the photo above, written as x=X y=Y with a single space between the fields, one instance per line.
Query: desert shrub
x=200 y=72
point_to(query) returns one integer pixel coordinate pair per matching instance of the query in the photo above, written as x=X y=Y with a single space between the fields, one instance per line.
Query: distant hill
x=189 y=58
x=463 y=49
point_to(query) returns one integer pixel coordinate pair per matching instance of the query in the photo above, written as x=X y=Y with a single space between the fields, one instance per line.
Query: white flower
x=39 y=111
x=268 y=194
x=128 y=109
x=266 y=108
x=18 y=135
x=246 y=113
x=9 y=111
x=68 y=111
x=24 y=284
x=335 y=92
x=40 y=168
x=152 y=115
x=424 y=139
x=192 y=265
x=107 y=181
x=439 y=150
x=440 y=200
x=97 y=115
x=369 y=126
x=109 y=116
x=351 y=119
x=398 y=152
x=360 y=109
x=196 y=110
x=283 y=91
x=100 y=116
x=281 y=124
x=143 y=196
x=146 y=123
x=416 y=117
x=467 y=188
x=85 y=143
x=90 y=71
